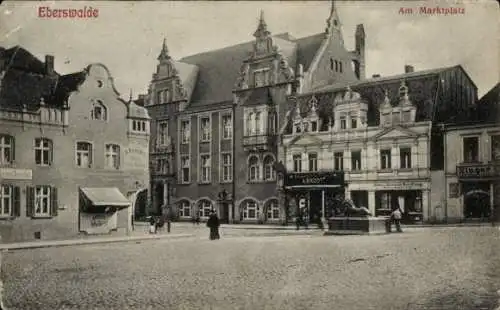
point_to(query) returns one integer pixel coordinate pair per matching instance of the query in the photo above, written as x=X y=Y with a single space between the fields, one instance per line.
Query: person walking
x=213 y=224
x=152 y=225
x=396 y=216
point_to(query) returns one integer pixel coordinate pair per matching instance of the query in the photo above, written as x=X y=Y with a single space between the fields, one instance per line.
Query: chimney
x=409 y=69
x=49 y=64
x=376 y=76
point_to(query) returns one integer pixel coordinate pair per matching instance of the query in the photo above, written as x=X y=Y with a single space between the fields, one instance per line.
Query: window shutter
x=13 y=152
x=17 y=202
x=53 y=201
x=51 y=154
x=30 y=201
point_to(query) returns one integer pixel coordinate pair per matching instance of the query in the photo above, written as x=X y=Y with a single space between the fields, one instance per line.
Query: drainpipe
x=233 y=189
x=445 y=200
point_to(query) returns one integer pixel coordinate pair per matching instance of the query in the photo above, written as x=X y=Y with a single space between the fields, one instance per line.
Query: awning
x=313 y=186
x=105 y=196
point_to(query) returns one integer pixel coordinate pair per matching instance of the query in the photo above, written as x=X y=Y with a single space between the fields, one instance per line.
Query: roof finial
x=130 y=97
x=262 y=27
x=164 y=51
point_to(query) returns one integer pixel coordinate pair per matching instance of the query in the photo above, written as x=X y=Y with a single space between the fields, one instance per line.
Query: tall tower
x=359 y=66
x=333 y=25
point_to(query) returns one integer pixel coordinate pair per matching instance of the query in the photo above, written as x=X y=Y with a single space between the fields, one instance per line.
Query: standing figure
x=152 y=225
x=396 y=216
x=213 y=224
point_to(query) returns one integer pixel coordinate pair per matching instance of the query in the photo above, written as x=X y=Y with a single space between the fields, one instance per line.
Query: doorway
x=315 y=207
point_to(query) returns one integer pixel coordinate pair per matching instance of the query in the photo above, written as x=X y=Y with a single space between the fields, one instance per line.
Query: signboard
x=478 y=171
x=16 y=174
x=402 y=185
x=136 y=157
x=314 y=178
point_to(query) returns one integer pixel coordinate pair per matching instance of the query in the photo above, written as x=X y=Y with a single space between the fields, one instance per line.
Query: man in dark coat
x=213 y=224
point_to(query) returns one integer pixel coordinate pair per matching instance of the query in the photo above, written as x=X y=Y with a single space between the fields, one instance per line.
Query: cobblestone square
x=445 y=268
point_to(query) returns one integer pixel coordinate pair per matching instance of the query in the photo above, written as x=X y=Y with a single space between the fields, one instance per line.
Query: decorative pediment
x=243 y=77
x=395 y=132
x=304 y=139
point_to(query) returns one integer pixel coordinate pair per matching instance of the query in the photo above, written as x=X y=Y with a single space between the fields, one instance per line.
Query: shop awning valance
x=105 y=196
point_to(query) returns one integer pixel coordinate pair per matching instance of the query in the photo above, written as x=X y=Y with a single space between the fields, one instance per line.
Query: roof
x=492 y=96
x=486 y=110
x=188 y=74
x=105 y=196
x=137 y=111
x=219 y=69
x=18 y=58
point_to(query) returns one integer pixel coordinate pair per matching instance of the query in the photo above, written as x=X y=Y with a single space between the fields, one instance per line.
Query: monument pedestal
x=357 y=225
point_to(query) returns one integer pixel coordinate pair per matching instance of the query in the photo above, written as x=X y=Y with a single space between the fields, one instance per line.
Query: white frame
x=225 y=126
x=205 y=207
x=9 y=196
x=407 y=164
x=255 y=166
x=6 y=142
x=39 y=147
x=338 y=161
x=205 y=168
x=228 y=166
x=110 y=152
x=39 y=196
x=272 y=206
x=183 y=206
x=185 y=133
x=204 y=134
x=315 y=162
x=90 y=154
x=246 y=208
x=269 y=165
x=388 y=157
x=162 y=133
x=104 y=112
x=297 y=162
x=186 y=166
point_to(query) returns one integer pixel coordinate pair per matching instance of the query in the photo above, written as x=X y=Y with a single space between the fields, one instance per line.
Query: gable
x=395 y=132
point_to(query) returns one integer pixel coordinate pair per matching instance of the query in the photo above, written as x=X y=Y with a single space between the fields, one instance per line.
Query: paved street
x=445 y=268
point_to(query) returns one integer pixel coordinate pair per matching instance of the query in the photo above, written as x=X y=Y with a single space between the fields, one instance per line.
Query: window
x=340 y=66
x=338 y=161
x=343 y=123
x=336 y=66
x=205 y=168
x=227 y=168
x=41 y=201
x=84 y=154
x=184 y=209
x=99 y=111
x=385 y=201
x=112 y=156
x=385 y=159
x=332 y=65
x=205 y=208
x=272 y=123
x=43 y=152
x=495 y=148
x=253 y=169
x=298 y=127
x=356 y=160
x=354 y=123
x=313 y=162
x=163 y=96
x=250 y=210
x=405 y=158
x=227 y=127
x=7 y=196
x=314 y=126
x=185 y=166
x=205 y=129
x=297 y=163
x=7 y=149
x=269 y=173
x=185 y=131
x=163 y=133
x=250 y=124
x=406 y=116
x=139 y=126
x=471 y=149
x=273 y=210
x=261 y=77
x=257 y=123
x=163 y=165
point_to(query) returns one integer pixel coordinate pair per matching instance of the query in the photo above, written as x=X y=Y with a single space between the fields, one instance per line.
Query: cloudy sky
x=127 y=36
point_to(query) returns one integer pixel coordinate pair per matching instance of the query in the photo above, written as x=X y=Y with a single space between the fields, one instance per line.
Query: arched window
x=269 y=173
x=184 y=209
x=336 y=66
x=272 y=210
x=250 y=210
x=205 y=207
x=99 y=111
x=257 y=123
x=253 y=168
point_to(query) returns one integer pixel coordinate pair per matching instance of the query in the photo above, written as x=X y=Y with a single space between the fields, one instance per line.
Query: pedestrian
x=396 y=216
x=213 y=224
x=152 y=225
x=298 y=219
x=169 y=220
x=197 y=219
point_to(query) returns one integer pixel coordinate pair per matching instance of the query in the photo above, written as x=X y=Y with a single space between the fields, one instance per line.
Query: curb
x=63 y=243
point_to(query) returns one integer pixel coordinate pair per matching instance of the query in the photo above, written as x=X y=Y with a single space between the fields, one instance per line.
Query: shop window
x=43 y=152
x=405 y=158
x=338 y=161
x=250 y=210
x=184 y=209
x=385 y=202
x=9 y=201
x=6 y=149
x=356 y=160
x=385 y=159
x=313 y=162
x=471 y=149
x=112 y=156
x=273 y=211
x=269 y=173
x=253 y=169
x=41 y=201
x=185 y=169
x=297 y=163
x=84 y=154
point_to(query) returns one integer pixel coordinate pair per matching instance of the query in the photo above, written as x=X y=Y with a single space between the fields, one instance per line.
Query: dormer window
x=298 y=127
x=138 y=126
x=99 y=111
x=314 y=126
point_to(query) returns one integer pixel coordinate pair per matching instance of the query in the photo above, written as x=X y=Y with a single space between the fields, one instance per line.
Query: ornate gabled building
x=70 y=150
x=199 y=147
x=378 y=141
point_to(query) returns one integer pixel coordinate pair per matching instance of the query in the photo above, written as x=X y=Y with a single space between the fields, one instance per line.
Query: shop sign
x=314 y=178
x=478 y=171
x=136 y=158
x=400 y=186
x=98 y=220
x=16 y=174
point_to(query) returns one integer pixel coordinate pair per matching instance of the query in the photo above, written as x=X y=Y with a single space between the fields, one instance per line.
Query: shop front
x=313 y=193
x=103 y=210
x=381 y=197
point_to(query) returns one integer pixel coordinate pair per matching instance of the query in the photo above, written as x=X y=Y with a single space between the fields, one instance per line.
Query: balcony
x=167 y=148
x=478 y=170
x=263 y=142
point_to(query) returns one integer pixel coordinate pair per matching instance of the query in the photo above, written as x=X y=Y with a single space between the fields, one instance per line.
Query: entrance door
x=315 y=207
x=224 y=212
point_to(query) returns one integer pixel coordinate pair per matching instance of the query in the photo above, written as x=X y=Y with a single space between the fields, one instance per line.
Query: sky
x=127 y=36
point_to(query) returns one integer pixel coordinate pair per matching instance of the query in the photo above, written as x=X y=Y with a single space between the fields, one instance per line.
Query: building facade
x=72 y=150
x=472 y=172
x=223 y=109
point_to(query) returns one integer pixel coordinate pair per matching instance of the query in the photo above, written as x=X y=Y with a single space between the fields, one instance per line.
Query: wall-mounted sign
x=314 y=178
x=16 y=174
x=394 y=186
x=136 y=157
x=478 y=171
